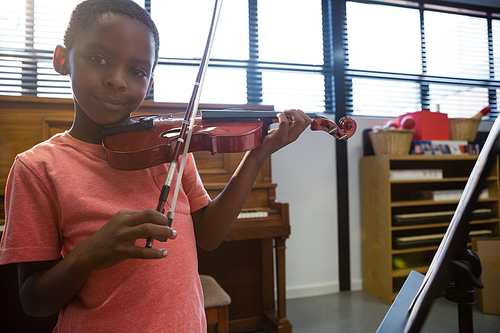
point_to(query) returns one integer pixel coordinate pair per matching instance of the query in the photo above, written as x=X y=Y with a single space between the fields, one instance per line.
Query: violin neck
x=243 y=114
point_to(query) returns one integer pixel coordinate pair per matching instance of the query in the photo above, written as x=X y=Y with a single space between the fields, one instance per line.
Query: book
x=444 y=195
x=450 y=147
x=406 y=242
x=437 y=217
x=440 y=147
x=415 y=174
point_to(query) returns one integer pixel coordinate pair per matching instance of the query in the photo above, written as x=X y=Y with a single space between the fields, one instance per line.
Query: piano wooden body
x=249 y=265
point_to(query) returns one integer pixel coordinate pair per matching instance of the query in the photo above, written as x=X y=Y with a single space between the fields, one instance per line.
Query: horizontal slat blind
x=29 y=32
x=285 y=74
x=400 y=55
x=404 y=56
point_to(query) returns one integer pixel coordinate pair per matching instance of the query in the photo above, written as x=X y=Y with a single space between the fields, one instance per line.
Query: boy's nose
x=116 y=80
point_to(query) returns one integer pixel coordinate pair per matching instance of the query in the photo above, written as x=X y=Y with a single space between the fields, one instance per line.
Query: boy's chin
x=119 y=122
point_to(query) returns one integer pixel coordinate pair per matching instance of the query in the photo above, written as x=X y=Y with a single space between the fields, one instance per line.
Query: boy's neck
x=85 y=129
x=75 y=133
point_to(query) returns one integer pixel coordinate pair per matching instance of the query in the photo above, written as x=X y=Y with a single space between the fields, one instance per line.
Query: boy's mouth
x=110 y=103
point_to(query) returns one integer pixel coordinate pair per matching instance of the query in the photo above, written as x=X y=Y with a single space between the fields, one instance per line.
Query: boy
x=72 y=221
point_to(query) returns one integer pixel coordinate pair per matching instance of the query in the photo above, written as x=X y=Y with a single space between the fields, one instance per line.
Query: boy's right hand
x=48 y=286
x=116 y=240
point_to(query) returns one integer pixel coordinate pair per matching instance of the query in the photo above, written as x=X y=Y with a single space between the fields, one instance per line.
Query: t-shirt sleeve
x=31 y=229
x=193 y=186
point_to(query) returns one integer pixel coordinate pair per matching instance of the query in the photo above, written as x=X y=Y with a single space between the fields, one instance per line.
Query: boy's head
x=87 y=12
x=111 y=48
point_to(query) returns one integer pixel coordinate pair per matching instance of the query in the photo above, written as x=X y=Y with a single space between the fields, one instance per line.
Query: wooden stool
x=216 y=304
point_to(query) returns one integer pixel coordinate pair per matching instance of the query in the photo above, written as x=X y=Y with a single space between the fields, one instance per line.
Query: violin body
x=145 y=141
x=153 y=139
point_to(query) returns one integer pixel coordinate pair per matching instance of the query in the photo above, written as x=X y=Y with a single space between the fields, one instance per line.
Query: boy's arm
x=214 y=221
x=48 y=286
x=45 y=287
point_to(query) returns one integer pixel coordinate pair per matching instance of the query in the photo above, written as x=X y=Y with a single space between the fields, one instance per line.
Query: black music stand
x=452 y=261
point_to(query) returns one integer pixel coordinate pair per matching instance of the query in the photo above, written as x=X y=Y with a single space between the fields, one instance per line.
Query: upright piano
x=250 y=263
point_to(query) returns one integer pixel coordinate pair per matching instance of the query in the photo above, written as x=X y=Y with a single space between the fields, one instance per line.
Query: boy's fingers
x=145 y=253
x=299 y=121
x=144 y=231
x=299 y=118
x=284 y=125
x=135 y=218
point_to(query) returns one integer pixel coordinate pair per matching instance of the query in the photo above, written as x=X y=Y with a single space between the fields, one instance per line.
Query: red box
x=429 y=125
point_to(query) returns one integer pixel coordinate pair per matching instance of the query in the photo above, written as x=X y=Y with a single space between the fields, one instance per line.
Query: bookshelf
x=401 y=231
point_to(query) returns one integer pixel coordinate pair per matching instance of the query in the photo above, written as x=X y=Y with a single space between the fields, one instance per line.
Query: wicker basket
x=464 y=129
x=391 y=141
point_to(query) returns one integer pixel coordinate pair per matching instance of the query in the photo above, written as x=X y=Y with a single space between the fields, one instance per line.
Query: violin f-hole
x=171 y=133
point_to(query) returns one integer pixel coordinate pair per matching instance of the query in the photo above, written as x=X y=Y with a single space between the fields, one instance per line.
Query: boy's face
x=110 y=65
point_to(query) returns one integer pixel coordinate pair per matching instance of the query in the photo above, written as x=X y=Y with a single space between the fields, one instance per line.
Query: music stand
x=452 y=259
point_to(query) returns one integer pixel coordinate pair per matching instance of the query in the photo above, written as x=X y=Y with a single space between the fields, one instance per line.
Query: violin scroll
x=346 y=129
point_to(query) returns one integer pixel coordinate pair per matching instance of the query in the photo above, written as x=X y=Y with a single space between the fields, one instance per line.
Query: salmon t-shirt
x=62 y=191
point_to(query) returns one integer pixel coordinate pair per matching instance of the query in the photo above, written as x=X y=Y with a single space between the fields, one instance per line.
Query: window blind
x=400 y=56
x=252 y=61
x=29 y=32
x=421 y=55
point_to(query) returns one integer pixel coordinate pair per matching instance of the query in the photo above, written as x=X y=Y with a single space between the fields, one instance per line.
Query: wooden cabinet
x=403 y=219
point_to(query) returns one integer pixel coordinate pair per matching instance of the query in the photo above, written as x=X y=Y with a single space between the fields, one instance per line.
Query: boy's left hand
x=291 y=124
x=214 y=221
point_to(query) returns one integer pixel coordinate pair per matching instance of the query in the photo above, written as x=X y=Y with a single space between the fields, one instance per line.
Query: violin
x=146 y=141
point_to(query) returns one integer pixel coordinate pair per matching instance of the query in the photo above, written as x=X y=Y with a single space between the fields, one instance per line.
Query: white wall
x=355 y=152
x=305 y=173
x=306 y=176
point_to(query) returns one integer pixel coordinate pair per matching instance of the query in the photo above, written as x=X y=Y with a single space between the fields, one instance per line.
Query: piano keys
x=250 y=214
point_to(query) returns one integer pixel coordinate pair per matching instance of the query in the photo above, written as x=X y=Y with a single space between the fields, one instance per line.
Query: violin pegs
x=332 y=130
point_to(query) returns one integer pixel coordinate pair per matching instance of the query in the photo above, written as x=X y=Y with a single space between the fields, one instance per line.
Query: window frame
x=338 y=77
x=423 y=79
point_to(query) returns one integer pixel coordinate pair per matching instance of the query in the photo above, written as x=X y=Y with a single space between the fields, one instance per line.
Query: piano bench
x=216 y=304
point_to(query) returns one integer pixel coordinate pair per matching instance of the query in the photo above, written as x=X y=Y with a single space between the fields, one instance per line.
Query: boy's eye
x=138 y=71
x=98 y=60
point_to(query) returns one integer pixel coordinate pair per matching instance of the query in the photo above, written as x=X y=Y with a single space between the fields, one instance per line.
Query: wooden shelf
x=433 y=202
x=404 y=272
x=415 y=249
x=385 y=267
x=440 y=225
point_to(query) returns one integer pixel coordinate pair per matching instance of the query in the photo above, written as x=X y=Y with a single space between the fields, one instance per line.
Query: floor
x=357 y=311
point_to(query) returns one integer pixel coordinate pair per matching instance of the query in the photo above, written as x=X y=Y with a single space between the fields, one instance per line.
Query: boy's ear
x=149 y=87
x=59 y=60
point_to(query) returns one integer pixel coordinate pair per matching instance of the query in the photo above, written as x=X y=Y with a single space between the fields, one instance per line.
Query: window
x=279 y=66
x=29 y=32
x=279 y=69
x=183 y=27
x=383 y=40
x=420 y=56
x=400 y=56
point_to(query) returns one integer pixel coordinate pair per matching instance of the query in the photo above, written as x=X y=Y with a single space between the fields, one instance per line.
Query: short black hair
x=87 y=12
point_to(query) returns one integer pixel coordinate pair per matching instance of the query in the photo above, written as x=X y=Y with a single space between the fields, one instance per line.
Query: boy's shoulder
x=43 y=148
x=58 y=155
x=60 y=147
